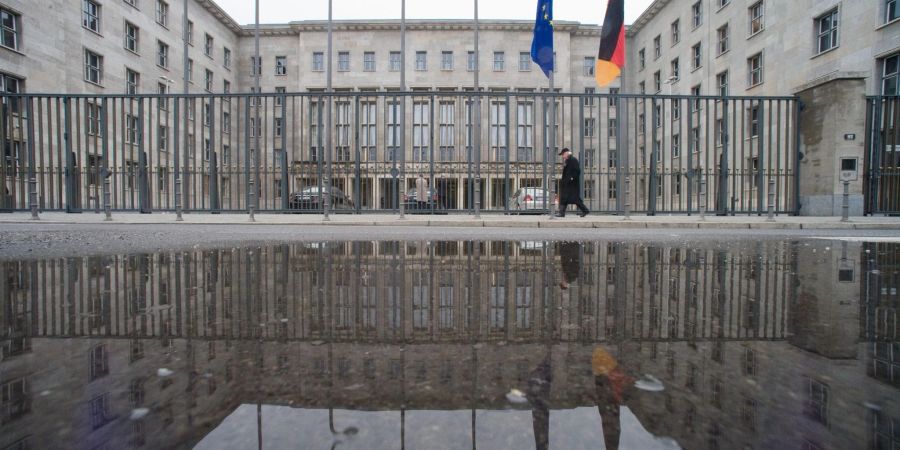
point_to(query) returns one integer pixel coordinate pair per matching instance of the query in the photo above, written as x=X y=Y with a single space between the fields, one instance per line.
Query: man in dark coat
x=570 y=192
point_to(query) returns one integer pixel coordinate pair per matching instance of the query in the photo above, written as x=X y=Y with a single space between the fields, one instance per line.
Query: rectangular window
x=189 y=33
x=90 y=17
x=676 y=32
x=589 y=98
x=722 y=43
x=722 y=83
x=342 y=131
x=369 y=61
x=395 y=62
x=9 y=29
x=499 y=64
x=470 y=61
x=162 y=138
x=641 y=60
x=612 y=93
x=255 y=66
x=642 y=89
x=190 y=70
x=99 y=362
x=697 y=14
x=696 y=104
x=162 y=54
x=446 y=60
x=421 y=130
x=162 y=13
x=392 y=130
x=657 y=82
x=589 y=127
x=318 y=62
x=226 y=88
x=343 y=62
x=525 y=131
x=278 y=126
x=889 y=75
x=208 y=45
x=163 y=89
x=131 y=129
x=279 y=98
x=675 y=70
x=99 y=410
x=827 y=27
x=93 y=67
x=281 y=65
x=226 y=122
x=421 y=61
x=16 y=402
x=524 y=62
x=657 y=47
x=368 y=139
x=753 y=118
x=498 y=132
x=226 y=57
x=588 y=67
x=132 y=37
x=756 y=18
x=697 y=59
x=817 y=402
x=208 y=81
x=755 y=70
x=132 y=82
x=93 y=119
x=890 y=11
x=722 y=3
x=611 y=128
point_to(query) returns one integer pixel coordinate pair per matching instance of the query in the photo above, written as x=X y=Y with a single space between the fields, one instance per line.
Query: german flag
x=611 y=57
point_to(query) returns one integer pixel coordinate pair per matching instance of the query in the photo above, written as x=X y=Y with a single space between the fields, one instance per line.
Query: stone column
x=832 y=126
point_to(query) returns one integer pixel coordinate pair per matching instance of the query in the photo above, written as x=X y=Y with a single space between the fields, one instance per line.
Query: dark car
x=312 y=199
x=433 y=201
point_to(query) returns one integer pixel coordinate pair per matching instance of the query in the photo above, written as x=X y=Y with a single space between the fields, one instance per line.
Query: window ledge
x=132 y=52
x=825 y=52
x=10 y=49
x=163 y=67
x=94 y=84
x=756 y=34
x=722 y=7
x=723 y=53
x=887 y=24
x=97 y=33
x=162 y=25
x=696 y=69
x=755 y=85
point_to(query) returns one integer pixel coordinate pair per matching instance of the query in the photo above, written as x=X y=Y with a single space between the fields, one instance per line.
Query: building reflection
x=761 y=344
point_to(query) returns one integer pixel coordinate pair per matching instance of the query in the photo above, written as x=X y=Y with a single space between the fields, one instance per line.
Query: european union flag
x=542 y=43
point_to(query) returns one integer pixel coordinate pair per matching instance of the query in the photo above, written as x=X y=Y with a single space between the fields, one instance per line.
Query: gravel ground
x=26 y=241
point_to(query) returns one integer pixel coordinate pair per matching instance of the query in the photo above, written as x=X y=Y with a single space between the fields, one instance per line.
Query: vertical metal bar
x=476 y=153
x=32 y=180
x=71 y=176
x=431 y=184
x=654 y=159
x=357 y=195
x=257 y=128
x=402 y=186
x=760 y=140
x=506 y=158
x=326 y=192
x=552 y=147
x=214 y=204
x=104 y=172
x=869 y=180
x=797 y=109
x=143 y=188
x=722 y=208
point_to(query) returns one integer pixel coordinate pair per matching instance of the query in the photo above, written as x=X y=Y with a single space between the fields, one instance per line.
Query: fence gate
x=882 y=163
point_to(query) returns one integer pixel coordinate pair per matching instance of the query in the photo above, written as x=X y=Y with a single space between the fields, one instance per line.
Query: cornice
x=220 y=14
x=646 y=17
x=306 y=26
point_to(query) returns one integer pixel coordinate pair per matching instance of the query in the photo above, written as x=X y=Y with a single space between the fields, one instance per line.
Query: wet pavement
x=777 y=342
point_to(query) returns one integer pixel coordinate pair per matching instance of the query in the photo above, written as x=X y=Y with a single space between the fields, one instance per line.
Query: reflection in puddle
x=455 y=344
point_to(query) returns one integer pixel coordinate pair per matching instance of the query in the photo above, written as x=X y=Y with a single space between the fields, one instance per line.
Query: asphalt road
x=27 y=241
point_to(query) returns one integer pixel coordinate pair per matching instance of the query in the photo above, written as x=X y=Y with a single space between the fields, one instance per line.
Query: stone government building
x=707 y=47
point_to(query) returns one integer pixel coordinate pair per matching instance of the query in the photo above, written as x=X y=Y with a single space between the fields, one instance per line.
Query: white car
x=530 y=200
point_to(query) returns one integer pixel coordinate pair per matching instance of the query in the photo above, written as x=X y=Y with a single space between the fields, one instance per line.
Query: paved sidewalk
x=467 y=220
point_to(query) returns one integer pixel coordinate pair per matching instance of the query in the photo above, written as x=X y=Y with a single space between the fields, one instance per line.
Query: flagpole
x=326 y=185
x=402 y=186
x=477 y=117
x=552 y=140
x=179 y=191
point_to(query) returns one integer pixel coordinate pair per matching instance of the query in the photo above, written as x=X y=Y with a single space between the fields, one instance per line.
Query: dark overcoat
x=568 y=186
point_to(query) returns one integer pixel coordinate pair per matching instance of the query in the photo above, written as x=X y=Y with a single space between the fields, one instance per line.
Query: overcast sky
x=283 y=11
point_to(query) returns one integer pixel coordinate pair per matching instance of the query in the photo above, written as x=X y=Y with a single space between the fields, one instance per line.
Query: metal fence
x=646 y=154
x=882 y=162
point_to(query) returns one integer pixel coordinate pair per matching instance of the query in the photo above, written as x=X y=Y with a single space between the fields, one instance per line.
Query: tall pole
x=552 y=143
x=326 y=186
x=179 y=191
x=257 y=127
x=476 y=154
x=402 y=187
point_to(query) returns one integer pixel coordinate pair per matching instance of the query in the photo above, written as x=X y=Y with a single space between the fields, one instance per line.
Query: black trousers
x=579 y=203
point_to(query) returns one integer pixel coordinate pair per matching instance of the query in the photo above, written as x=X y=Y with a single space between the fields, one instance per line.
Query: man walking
x=570 y=192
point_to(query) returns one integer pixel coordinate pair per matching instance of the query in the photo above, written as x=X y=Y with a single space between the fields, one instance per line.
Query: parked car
x=433 y=202
x=530 y=200
x=312 y=199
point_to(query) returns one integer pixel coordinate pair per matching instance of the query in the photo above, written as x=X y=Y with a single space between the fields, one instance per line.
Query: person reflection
x=538 y=394
x=611 y=383
x=570 y=260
